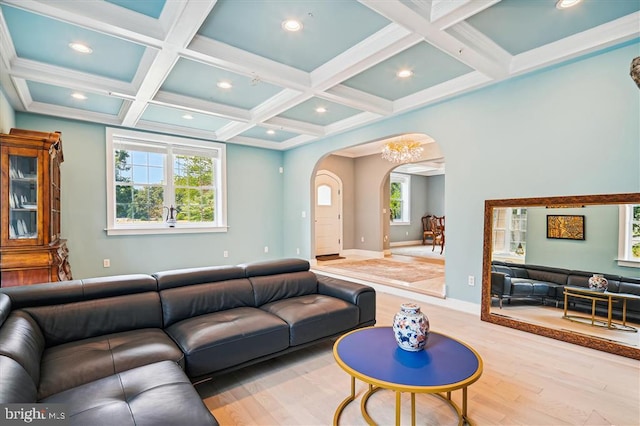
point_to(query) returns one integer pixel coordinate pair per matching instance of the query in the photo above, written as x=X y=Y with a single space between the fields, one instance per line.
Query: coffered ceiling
x=157 y=64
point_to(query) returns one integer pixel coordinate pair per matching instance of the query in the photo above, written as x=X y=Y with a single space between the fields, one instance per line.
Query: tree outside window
x=399 y=198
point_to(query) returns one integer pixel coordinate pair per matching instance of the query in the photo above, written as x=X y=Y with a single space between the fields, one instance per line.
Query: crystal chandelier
x=403 y=151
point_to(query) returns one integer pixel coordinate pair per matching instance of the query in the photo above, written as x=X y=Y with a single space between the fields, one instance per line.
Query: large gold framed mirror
x=523 y=238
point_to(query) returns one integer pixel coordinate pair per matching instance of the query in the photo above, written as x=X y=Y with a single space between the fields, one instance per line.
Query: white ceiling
x=154 y=61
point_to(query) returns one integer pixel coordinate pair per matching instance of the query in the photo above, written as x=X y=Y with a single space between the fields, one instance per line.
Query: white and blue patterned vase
x=411 y=327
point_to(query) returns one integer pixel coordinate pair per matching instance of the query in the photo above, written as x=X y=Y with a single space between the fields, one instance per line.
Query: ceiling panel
x=329 y=28
x=195 y=79
x=55 y=95
x=521 y=25
x=177 y=117
x=262 y=133
x=151 y=8
x=306 y=111
x=46 y=40
x=430 y=66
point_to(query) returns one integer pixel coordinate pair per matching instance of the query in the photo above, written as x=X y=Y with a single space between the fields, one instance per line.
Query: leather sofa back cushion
x=282 y=286
x=15 y=384
x=273 y=267
x=187 y=302
x=190 y=276
x=79 y=290
x=81 y=320
x=547 y=276
x=22 y=341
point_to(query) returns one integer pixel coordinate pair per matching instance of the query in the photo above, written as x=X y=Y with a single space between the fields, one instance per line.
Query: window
x=399 y=199
x=149 y=174
x=324 y=195
x=509 y=232
x=629 y=241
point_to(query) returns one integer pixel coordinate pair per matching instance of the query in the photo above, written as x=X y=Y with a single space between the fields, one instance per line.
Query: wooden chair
x=426 y=228
x=437 y=227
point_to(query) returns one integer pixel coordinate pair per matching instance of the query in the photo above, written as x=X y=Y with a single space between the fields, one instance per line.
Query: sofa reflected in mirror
x=539 y=283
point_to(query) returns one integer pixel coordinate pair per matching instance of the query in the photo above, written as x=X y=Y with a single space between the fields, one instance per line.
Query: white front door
x=328 y=213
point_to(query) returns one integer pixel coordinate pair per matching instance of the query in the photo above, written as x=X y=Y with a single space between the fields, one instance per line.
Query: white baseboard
x=363 y=253
x=405 y=243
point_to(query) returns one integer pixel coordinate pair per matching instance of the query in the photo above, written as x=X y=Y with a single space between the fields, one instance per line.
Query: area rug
x=398 y=271
x=422 y=251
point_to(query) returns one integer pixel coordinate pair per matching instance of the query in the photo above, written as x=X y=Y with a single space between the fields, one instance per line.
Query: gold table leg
x=346 y=402
x=398 y=395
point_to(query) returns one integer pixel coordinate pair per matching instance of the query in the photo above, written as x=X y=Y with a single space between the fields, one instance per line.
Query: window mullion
x=169 y=189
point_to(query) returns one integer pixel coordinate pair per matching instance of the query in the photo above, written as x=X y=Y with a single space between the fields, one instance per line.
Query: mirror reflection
x=566 y=267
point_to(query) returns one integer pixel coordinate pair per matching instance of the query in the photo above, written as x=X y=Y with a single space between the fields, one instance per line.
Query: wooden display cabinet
x=31 y=250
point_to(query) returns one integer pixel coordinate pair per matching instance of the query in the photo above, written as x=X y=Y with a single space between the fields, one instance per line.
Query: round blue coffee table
x=373 y=356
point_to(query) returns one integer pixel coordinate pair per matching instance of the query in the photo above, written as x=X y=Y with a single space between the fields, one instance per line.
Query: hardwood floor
x=527 y=380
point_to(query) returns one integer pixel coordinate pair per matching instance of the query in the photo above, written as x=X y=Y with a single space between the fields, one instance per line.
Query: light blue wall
x=7 y=114
x=596 y=253
x=255 y=203
x=536 y=135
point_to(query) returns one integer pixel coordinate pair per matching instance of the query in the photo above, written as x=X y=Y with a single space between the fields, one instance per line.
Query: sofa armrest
x=363 y=296
x=500 y=284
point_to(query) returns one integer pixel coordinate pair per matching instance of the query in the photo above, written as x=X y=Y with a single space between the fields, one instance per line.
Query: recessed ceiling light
x=80 y=47
x=188 y=117
x=224 y=84
x=271 y=132
x=79 y=96
x=565 y=4
x=404 y=73
x=292 y=25
x=321 y=110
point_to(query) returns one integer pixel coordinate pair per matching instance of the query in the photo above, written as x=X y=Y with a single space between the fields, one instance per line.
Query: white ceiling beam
x=73 y=113
x=180 y=34
x=380 y=46
x=358 y=99
x=296 y=126
x=600 y=37
x=444 y=14
x=236 y=60
x=101 y=16
x=202 y=106
x=260 y=143
x=154 y=126
x=64 y=77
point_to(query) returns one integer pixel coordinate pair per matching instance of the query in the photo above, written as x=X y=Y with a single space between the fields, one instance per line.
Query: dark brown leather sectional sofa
x=516 y=281
x=125 y=350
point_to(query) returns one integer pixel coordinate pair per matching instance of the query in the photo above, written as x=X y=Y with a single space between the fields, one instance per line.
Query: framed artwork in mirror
x=568 y=227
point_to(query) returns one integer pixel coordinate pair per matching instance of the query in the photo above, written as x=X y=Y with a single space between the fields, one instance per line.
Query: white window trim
x=506 y=255
x=624 y=227
x=182 y=228
x=406 y=205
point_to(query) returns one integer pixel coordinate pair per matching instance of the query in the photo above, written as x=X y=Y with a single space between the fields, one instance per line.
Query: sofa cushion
x=22 y=340
x=16 y=386
x=156 y=394
x=314 y=316
x=274 y=267
x=222 y=339
x=190 y=276
x=75 y=363
x=269 y=288
x=187 y=302
x=81 y=320
x=548 y=276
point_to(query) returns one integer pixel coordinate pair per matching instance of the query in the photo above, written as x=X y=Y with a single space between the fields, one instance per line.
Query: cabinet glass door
x=23 y=197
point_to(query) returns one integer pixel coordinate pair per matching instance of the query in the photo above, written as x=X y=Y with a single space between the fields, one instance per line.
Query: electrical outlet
x=472 y=280
x=106 y=263
x=362 y=239
x=225 y=254
x=266 y=249
x=298 y=250
x=304 y=214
